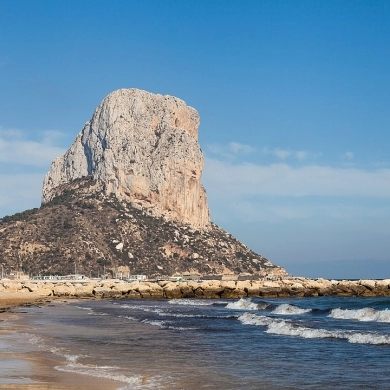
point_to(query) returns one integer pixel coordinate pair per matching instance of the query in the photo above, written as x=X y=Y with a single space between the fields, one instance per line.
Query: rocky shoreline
x=28 y=291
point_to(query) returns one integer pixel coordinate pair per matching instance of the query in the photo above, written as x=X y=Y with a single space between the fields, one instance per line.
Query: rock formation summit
x=142 y=148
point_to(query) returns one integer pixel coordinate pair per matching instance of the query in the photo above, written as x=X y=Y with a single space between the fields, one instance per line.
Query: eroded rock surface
x=142 y=148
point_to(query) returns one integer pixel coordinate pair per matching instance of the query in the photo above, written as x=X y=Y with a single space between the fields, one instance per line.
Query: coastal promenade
x=14 y=293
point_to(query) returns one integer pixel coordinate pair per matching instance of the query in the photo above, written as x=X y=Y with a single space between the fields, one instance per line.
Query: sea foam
x=291 y=329
x=286 y=309
x=190 y=302
x=253 y=319
x=365 y=314
x=107 y=372
x=243 y=304
x=73 y=365
x=288 y=328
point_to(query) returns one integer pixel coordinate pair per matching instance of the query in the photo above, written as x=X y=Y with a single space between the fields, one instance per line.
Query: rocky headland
x=127 y=197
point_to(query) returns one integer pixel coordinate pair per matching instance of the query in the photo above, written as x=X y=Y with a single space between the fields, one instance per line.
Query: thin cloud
x=19 y=192
x=301 y=155
x=29 y=161
x=280 y=192
x=349 y=155
x=231 y=150
x=284 y=154
x=269 y=209
x=247 y=179
x=237 y=148
x=281 y=154
x=234 y=150
x=16 y=148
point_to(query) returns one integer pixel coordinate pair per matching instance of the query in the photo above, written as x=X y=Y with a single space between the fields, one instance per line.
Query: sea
x=248 y=343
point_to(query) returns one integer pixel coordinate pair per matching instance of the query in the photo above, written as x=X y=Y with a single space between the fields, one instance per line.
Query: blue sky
x=293 y=97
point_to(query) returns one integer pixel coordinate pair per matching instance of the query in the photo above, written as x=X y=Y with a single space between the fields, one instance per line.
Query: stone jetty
x=210 y=289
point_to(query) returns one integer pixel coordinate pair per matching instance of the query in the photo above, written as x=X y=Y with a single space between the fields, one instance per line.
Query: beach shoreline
x=31 y=368
x=12 y=300
x=23 y=365
x=26 y=363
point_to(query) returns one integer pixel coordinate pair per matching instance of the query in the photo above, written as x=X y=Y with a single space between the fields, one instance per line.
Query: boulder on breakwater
x=210 y=289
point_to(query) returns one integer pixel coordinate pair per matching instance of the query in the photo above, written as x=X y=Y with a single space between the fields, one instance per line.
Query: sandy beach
x=9 y=300
x=22 y=364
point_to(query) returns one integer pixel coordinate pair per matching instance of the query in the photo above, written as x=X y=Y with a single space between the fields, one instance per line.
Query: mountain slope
x=90 y=232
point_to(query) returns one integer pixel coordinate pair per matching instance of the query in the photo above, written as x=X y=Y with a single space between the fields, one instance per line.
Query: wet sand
x=9 y=300
x=23 y=365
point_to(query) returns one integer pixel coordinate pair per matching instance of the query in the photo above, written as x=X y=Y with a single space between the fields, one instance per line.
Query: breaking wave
x=288 y=328
x=112 y=373
x=165 y=313
x=365 y=314
x=243 y=304
x=72 y=365
x=190 y=302
x=287 y=309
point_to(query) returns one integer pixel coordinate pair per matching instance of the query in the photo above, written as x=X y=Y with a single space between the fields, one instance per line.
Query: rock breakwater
x=210 y=289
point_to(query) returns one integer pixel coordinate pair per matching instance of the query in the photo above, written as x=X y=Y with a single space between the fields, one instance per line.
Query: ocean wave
x=83 y=308
x=286 y=309
x=171 y=327
x=166 y=313
x=263 y=306
x=160 y=324
x=243 y=304
x=62 y=352
x=91 y=311
x=253 y=319
x=365 y=314
x=205 y=316
x=368 y=338
x=146 y=309
x=34 y=339
x=289 y=328
x=130 y=318
x=112 y=373
x=70 y=358
x=72 y=365
x=190 y=302
x=163 y=313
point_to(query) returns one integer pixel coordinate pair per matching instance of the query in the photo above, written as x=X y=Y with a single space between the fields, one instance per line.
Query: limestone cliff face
x=143 y=148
